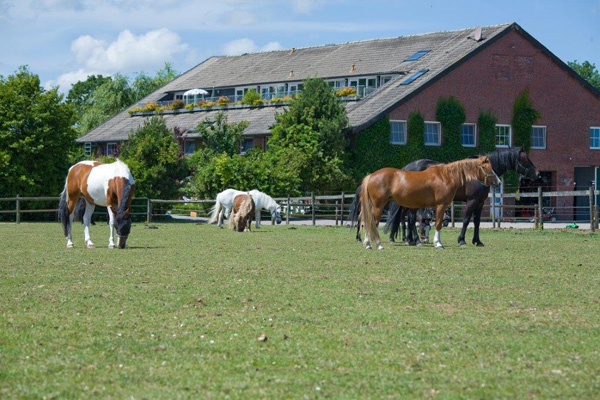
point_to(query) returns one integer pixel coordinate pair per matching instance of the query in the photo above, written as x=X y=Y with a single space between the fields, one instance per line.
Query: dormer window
x=417 y=55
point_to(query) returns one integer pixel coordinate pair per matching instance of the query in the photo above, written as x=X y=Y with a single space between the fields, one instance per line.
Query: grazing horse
x=107 y=185
x=423 y=216
x=241 y=212
x=434 y=187
x=224 y=203
x=473 y=192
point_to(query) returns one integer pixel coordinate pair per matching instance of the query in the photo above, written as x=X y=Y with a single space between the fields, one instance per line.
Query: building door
x=584 y=178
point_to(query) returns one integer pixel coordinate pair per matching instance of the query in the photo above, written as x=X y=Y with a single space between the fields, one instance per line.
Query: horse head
x=122 y=217
x=525 y=167
x=486 y=174
x=276 y=214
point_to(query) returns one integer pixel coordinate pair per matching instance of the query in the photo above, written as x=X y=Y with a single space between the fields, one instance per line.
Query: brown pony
x=108 y=185
x=434 y=187
x=241 y=213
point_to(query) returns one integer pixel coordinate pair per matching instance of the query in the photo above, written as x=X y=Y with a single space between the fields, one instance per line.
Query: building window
x=398 y=132
x=246 y=145
x=189 y=147
x=433 y=133
x=417 y=55
x=414 y=77
x=468 y=135
x=386 y=79
x=87 y=149
x=503 y=135
x=594 y=137
x=112 y=150
x=538 y=137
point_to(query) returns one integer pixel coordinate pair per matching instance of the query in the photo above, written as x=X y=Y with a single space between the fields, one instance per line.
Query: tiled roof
x=370 y=57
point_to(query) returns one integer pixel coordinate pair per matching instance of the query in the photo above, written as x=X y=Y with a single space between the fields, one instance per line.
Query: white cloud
x=128 y=53
x=243 y=18
x=245 y=45
x=305 y=6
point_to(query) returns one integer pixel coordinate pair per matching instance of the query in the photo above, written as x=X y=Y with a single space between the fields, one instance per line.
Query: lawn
x=179 y=314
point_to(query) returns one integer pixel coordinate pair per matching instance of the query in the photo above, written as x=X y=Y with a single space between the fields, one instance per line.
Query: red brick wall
x=494 y=78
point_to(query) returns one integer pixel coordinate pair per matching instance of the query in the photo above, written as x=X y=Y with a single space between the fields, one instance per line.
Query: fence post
x=312 y=199
x=540 y=211
x=342 y=211
x=287 y=212
x=18 y=210
x=336 y=212
x=452 y=213
x=149 y=210
x=591 y=197
x=493 y=209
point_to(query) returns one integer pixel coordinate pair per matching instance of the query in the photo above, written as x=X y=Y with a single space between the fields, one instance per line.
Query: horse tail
x=355 y=207
x=63 y=210
x=366 y=212
x=215 y=210
x=394 y=219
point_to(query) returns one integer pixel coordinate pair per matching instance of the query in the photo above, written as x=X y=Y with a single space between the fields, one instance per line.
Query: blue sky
x=65 y=40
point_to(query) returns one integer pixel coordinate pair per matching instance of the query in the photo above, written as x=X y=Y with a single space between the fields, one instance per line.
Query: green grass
x=178 y=315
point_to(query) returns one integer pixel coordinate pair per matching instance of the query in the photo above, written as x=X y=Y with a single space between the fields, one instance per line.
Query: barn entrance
x=584 y=178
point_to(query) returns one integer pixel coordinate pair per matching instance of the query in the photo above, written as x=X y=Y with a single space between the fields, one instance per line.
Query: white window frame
x=544 y=136
x=186 y=145
x=595 y=128
x=402 y=123
x=439 y=131
x=385 y=79
x=87 y=149
x=242 y=151
x=474 y=135
x=244 y=90
x=108 y=153
x=509 y=135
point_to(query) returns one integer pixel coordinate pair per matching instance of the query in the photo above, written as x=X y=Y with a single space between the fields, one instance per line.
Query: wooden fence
x=331 y=207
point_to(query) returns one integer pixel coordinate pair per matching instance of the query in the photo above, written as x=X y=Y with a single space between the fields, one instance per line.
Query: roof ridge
x=362 y=41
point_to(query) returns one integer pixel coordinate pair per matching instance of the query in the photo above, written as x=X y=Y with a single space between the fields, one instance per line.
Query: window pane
x=398 y=132
x=432 y=133
x=502 y=136
x=595 y=138
x=467 y=134
x=538 y=137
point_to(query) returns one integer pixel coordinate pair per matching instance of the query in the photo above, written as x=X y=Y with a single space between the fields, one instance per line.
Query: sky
x=64 y=41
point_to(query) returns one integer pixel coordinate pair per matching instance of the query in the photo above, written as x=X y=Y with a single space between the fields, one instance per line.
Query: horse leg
x=439 y=222
x=476 y=222
x=471 y=204
x=358 y=231
x=220 y=217
x=257 y=218
x=87 y=218
x=69 y=235
x=111 y=225
x=403 y=224
x=377 y=217
x=411 y=238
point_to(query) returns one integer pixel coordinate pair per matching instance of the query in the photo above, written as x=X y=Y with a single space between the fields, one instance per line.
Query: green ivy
x=524 y=115
x=486 y=126
x=451 y=114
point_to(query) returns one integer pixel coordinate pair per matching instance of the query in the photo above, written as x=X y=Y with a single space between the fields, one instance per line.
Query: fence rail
x=337 y=208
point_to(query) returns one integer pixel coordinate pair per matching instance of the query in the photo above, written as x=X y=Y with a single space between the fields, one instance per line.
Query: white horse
x=224 y=202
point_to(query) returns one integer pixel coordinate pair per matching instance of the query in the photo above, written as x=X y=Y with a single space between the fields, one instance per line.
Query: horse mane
x=462 y=171
x=504 y=160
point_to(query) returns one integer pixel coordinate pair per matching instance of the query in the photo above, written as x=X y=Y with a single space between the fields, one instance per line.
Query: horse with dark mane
x=241 y=212
x=474 y=193
x=433 y=187
x=107 y=185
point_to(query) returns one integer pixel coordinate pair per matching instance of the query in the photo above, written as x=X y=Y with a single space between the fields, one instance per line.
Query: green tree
x=36 y=136
x=221 y=137
x=81 y=92
x=587 y=71
x=311 y=135
x=144 y=84
x=152 y=153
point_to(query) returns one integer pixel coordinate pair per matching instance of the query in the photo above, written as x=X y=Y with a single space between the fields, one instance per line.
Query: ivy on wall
x=524 y=116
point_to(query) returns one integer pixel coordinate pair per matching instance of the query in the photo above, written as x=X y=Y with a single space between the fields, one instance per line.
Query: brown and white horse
x=241 y=212
x=108 y=185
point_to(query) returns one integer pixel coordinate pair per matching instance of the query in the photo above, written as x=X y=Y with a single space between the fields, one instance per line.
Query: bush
x=208 y=104
x=177 y=104
x=223 y=101
x=150 y=106
x=347 y=91
x=251 y=97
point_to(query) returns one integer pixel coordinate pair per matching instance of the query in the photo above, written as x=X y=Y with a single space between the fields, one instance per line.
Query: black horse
x=473 y=193
x=423 y=218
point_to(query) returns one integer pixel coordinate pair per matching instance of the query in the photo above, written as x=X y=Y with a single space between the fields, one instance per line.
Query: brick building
x=484 y=68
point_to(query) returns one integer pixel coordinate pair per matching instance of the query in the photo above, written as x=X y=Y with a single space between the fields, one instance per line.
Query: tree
x=36 y=136
x=221 y=137
x=310 y=134
x=81 y=92
x=144 y=84
x=587 y=71
x=152 y=153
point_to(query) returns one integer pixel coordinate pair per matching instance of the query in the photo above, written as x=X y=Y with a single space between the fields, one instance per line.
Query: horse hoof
x=111 y=246
x=90 y=245
x=419 y=244
x=463 y=245
x=380 y=247
x=479 y=244
x=369 y=247
x=439 y=246
x=70 y=245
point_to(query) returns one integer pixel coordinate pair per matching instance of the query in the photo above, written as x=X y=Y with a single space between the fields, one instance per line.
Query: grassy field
x=179 y=314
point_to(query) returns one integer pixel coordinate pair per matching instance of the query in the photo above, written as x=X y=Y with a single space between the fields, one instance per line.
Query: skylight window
x=414 y=77
x=417 y=55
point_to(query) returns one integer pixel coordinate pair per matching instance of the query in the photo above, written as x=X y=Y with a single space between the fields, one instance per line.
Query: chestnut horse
x=241 y=212
x=108 y=185
x=434 y=187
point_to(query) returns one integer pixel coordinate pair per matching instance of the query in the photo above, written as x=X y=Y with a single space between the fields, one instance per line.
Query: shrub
x=135 y=110
x=150 y=106
x=251 y=97
x=276 y=100
x=223 y=101
x=190 y=106
x=208 y=104
x=347 y=91
x=177 y=104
